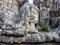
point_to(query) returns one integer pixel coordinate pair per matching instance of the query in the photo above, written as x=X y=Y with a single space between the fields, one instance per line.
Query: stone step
x=19 y=32
x=16 y=33
x=29 y=38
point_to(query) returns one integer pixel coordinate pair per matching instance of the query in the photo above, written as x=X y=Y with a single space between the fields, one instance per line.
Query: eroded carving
x=9 y=14
x=28 y=15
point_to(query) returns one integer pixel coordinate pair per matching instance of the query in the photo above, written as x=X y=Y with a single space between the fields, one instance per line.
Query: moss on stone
x=44 y=26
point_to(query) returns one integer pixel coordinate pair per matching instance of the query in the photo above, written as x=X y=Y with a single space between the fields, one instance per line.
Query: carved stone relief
x=29 y=15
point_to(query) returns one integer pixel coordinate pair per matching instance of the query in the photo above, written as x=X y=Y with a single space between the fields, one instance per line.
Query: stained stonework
x=8 y=4
x=29 y=15
x=19 y=19
x=11 y=4
x=1 y=6
x=8 y=11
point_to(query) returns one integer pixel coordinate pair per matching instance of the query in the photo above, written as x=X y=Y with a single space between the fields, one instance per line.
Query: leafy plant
x=44 y=26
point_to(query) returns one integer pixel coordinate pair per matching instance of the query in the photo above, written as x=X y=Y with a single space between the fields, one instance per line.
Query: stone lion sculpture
x=28 y=15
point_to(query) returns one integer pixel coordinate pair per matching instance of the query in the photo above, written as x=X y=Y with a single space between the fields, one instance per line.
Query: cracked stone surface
x=11 y=13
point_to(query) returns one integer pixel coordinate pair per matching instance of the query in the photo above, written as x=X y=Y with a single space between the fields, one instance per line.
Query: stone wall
x=33 y=44
x=9 y=4
x=8 y=12
x=9 y=9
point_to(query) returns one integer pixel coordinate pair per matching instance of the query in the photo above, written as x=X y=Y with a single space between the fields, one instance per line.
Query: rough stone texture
x=32 y=38
x=10 y=32
x=9 y=10
x=55 y=23
x=28 y=16
x=33 y=44
x=18 y=32
x=7 y=39
x=19 y=37
x=0 y=31
x=44 y=14
x=37 y=3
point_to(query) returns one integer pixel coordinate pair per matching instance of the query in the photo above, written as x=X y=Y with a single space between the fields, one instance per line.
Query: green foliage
x=44 y=26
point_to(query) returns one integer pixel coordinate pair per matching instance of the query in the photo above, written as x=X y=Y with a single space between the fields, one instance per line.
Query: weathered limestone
x=40 y=37
x=20 y=28
x=11 y=40
x=44 y=12
x=52 y=43
x=9 y=11
x=37 y=3
x=17 y=32
x=29 y=16
x=44 y=17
